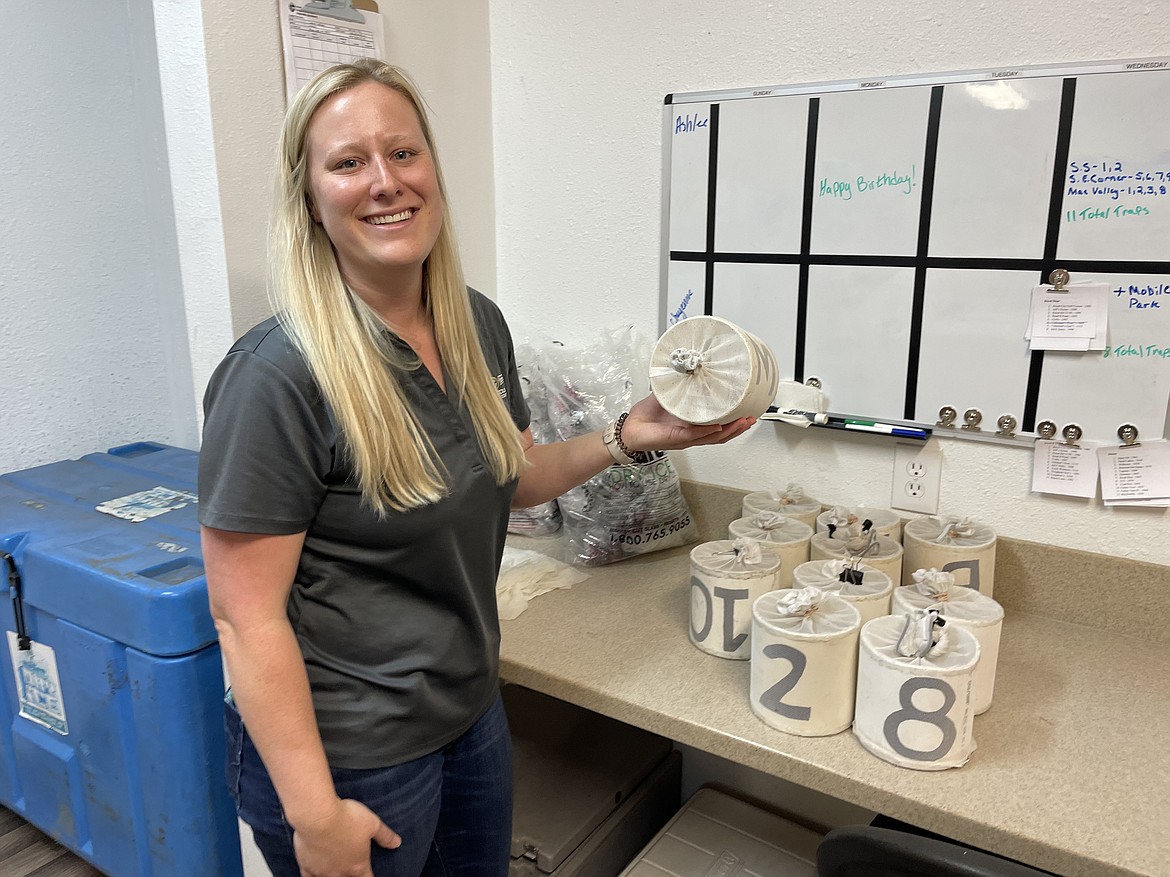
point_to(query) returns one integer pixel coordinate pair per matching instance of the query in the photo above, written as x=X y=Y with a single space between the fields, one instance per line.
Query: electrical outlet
x=917 y=476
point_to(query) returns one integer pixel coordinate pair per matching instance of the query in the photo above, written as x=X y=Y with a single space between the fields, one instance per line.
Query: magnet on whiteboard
x=946 y=417
x=1128 y=433
x=1058 y=279
x=1071 y=434
x=1007 y=425
x=972 y=417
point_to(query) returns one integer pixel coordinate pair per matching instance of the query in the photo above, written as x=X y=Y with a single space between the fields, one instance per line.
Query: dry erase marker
x=881 y=425
x=859 y=422
x=796 y=417
x=810 y=416
x=910 y=431
x=887 y=429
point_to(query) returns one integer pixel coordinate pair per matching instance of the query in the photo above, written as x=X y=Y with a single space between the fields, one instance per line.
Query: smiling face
x=373 y=188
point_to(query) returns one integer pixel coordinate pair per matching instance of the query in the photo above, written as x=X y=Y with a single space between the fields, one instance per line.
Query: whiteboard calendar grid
x=834 y=234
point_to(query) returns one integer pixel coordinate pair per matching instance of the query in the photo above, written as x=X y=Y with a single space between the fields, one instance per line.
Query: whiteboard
x=885 y=235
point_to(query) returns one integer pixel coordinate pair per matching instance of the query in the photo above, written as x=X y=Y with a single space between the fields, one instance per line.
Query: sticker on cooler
x=138 y=507
x=37 y=685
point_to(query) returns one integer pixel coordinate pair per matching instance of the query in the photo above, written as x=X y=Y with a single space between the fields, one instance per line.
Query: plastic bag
x=625 y=510
x=543 y=519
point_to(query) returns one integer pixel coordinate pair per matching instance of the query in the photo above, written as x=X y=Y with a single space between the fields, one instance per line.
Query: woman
x=360 y=456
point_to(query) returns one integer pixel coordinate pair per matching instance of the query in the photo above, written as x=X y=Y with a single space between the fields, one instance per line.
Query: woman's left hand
x=650 y=427
x=558 y=466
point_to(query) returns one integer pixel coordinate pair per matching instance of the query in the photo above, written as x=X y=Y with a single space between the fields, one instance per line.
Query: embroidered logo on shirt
x=498 y=380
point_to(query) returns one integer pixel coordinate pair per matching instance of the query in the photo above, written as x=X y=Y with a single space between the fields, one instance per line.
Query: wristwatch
x=612 y=439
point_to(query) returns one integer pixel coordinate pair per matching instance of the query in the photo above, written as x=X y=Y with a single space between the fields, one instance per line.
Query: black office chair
x=866 y=851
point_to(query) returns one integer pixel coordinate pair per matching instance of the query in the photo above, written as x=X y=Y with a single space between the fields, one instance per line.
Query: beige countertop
x=1070 y=774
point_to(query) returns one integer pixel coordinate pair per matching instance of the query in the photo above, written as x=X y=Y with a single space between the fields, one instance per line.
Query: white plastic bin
x=716 y=835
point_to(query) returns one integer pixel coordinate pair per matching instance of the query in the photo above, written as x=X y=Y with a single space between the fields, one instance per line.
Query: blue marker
x=888 y=429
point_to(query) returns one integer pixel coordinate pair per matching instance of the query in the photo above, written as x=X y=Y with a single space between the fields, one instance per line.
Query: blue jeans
x=452 y=808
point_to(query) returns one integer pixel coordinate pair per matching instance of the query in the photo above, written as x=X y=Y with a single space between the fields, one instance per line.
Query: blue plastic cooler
x=112 y=718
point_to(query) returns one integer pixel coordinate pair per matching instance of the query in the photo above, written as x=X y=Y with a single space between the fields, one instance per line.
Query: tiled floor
x=26 y=852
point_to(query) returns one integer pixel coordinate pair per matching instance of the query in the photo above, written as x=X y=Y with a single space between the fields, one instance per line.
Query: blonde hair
x=344 y=341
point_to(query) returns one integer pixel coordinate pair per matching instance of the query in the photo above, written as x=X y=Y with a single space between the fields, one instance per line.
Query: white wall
x=577 y=91
x=194 y=199
x=245 y=84
x=443 y=44
x=95 y=348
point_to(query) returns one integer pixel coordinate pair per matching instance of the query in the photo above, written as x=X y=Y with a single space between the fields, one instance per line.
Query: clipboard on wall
x=316 y=34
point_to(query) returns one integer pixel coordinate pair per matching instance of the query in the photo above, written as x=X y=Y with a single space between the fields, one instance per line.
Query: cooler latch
x=17 y=600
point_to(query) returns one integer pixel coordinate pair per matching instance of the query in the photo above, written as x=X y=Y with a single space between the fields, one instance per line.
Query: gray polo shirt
x=396 y=617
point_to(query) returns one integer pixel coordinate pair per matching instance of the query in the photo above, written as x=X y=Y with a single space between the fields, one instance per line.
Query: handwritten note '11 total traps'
x=884 y=236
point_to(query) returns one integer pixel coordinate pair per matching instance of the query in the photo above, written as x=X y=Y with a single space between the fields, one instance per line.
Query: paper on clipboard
x=1064 y=469
x=1073 y=318
x=317 y=34
x=1137 y=475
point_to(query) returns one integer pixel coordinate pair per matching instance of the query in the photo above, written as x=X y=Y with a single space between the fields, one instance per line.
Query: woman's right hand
x=338 y=844
x=249 y=579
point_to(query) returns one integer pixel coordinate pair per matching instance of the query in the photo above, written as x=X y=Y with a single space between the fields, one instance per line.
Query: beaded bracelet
x=635 y=456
